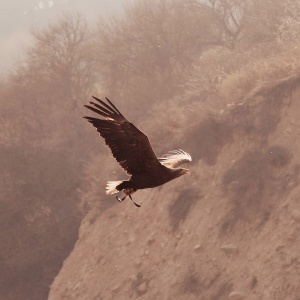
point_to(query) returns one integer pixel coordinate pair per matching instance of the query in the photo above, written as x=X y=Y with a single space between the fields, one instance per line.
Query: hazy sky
x=17 y=17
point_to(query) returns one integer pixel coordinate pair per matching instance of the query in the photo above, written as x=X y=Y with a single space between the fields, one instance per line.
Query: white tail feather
x=111 y=187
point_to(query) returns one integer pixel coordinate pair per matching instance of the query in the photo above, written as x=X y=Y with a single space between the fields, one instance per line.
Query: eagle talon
x=138 y=205
x=120 y=200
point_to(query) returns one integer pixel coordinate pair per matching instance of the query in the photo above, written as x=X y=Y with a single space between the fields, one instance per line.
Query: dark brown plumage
x=132 y=149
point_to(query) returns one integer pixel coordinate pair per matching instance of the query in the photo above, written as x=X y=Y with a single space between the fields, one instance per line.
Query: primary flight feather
x=132 y=149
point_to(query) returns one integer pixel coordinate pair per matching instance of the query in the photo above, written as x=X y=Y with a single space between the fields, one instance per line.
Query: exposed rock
x=296 y=215
x=235 y=295
x=142 y=288
x=115 y=288
x=197 y=247
x=230 y=248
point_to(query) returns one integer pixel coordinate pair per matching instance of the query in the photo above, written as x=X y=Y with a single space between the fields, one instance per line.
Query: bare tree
x=42 y=143
x=61 y=57
x=227 y=17
x=265 y=18
x=236 y=22
x=59 y=74
x=143 y=55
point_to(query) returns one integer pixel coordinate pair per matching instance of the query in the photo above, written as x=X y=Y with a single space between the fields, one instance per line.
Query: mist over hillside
x=219 y=79
x=20 y=17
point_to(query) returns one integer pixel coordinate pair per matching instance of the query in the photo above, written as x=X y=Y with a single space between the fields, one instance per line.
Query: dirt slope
x=230 y=230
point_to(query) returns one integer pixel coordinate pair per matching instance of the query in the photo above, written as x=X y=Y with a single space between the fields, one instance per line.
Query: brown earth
x=230 y=230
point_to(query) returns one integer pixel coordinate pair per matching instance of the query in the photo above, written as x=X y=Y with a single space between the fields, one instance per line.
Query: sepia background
x=219 y=79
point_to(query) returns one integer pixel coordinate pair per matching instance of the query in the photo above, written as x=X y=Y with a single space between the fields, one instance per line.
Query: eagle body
x=133 y=151
x=150 y=179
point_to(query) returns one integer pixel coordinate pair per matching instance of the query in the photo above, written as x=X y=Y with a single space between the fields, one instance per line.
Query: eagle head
x=183 y=171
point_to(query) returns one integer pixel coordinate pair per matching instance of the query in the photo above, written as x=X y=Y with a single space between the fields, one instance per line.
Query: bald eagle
x=132 y=149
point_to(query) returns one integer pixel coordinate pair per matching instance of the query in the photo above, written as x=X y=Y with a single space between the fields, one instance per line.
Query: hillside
x=219 y=79
x=230 y=230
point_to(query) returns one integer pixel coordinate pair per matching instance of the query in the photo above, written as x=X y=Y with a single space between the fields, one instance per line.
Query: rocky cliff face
x=230 y=230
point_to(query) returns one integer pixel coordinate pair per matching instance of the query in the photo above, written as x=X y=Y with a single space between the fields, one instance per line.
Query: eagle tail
x=112 y=187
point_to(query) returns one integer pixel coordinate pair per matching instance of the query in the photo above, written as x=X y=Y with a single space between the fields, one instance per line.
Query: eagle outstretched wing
x=174 y=158
x=129 y=146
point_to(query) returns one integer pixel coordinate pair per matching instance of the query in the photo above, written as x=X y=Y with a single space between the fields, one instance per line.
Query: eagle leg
x=122 y=199
x=138 y=205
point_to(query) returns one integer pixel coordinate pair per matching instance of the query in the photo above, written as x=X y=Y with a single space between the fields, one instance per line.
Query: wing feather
x=129 y=146
x=112 y=109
